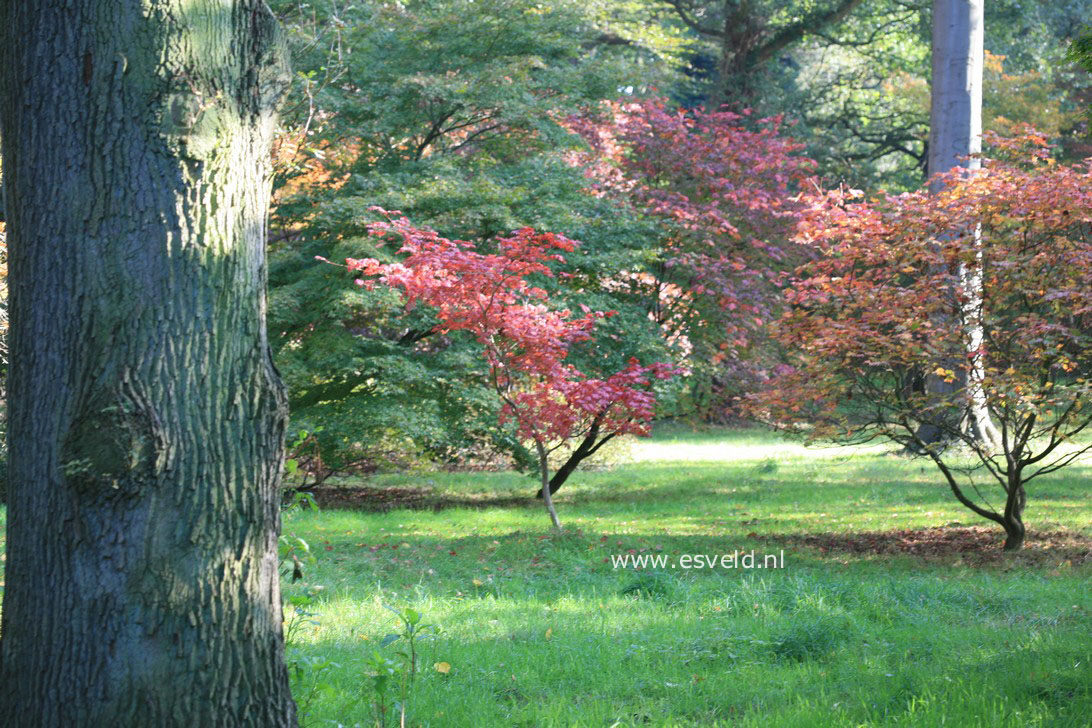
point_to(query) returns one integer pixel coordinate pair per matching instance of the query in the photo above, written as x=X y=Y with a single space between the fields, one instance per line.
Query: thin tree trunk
x=1013 y=519
x=955 y=135
x=1015 y=533
x=955 y=129
x=147 y=419
x=977 y=423
x=544 y=472
x=587 y=447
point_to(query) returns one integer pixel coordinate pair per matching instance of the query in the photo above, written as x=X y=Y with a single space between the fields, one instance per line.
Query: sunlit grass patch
x=541 y=630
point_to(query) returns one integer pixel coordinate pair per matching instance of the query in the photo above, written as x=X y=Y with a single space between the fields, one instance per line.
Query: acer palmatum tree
x=146 y=417
x=524 y=342
x=871 y=313
x=720 y=190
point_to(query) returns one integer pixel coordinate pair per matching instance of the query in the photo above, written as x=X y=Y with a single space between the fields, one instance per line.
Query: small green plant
x=293 y=552
x=767 y=467
x=301 y=614
x=381 y=670
x=413 y=629
x=811 y=639
x=299 y=500
x=308 y=673
x=306 y=448
x=309 y=678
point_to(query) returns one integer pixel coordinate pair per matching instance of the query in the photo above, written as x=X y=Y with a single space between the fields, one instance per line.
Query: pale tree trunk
x=955 y=134
x=544 y=475
x=146 y=417
x=955 y=129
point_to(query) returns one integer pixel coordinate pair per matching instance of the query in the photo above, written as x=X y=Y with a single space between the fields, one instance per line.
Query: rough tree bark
x=146 y=417
x=955 y=133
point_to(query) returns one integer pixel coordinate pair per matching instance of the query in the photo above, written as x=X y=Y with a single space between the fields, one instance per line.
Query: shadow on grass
x=583 y=557
x=661 y=484
x=381 y=500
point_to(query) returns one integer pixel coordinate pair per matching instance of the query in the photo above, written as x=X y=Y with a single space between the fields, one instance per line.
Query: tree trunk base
x=1014 y=537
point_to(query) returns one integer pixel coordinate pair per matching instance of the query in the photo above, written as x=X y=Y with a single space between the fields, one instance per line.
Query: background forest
x=476 y=118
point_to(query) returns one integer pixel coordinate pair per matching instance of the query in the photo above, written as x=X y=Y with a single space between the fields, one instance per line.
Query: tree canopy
x=598 y=121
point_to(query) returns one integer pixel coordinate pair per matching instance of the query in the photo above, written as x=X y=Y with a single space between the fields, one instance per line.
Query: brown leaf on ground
x=972 y=544
x=365 y=498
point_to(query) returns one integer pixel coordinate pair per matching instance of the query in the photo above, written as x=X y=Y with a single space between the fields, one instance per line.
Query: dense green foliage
x=454 y=113
x=1081 y=50
x=448 y=112
x=859 y=93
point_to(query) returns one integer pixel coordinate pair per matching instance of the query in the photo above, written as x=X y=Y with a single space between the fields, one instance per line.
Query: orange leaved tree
x=883 y=303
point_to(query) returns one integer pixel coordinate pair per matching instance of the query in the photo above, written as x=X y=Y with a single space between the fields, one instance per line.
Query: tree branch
x=792 y=34
x=693 y=24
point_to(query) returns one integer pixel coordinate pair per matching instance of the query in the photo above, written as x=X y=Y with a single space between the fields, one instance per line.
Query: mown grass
x=540 y=630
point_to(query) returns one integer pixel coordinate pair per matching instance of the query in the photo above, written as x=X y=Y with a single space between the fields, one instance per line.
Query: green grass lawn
x=540 y=629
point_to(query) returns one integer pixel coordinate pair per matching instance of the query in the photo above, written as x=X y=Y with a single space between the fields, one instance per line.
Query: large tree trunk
x=955 y=134
x=748 y=43
x=955 y=129
x=146 y=418
x=735 y=90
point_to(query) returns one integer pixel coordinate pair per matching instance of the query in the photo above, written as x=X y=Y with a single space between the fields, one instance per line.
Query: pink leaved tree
x=525 y=343
x=721 y=190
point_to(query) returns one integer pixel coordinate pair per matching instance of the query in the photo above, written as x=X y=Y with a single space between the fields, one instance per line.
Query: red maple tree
x=721 y=189
x=524 y=341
